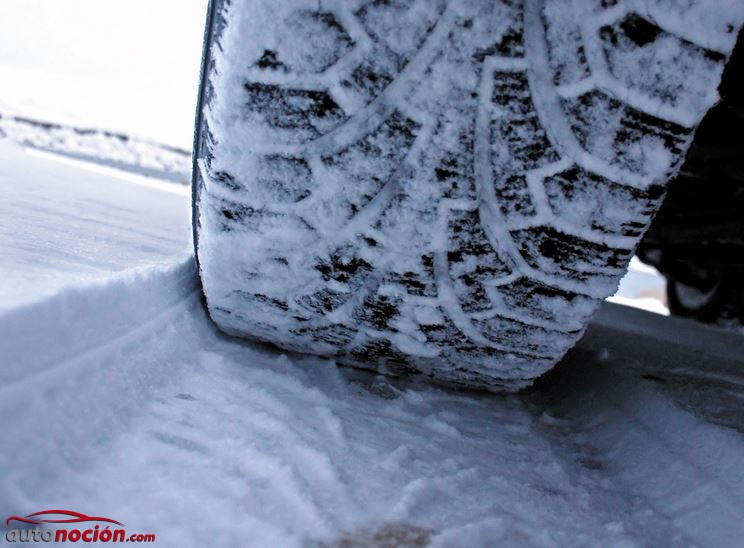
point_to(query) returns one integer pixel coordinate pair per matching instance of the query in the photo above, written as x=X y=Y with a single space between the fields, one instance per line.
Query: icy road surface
x=119 y=398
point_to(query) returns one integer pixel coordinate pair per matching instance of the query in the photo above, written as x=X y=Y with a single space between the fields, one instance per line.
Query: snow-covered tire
x=443 y=187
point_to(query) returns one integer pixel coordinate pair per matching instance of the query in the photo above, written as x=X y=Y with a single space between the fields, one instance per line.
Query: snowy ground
x=118 y=397
x=65 y=222
x=113 y=149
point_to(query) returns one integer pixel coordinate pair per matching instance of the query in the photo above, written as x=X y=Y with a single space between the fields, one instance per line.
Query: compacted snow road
x=119 y=398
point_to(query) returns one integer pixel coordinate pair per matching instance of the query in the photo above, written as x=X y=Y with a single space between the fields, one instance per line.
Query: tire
x=441 y=188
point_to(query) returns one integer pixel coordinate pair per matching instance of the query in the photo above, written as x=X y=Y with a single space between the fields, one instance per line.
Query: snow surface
x=642 y=287
x=114 y=149
x=118 y=397
x=66 y=222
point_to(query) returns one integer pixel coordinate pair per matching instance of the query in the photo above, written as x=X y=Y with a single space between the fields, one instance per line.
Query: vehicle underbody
x=697 y=238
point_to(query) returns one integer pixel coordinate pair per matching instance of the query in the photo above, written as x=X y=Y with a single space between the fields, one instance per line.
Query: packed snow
x=65 y=223
x=118 y=397
x=642 y=287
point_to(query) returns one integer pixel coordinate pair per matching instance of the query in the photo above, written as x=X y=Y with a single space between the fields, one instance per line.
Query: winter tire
x=441 y=187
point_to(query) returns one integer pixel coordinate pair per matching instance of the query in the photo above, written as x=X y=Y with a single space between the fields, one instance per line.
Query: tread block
x=514 y=196
x=626 y=137
x=240 y=217
x=674 y=137
x=226 y=179
x=361 y=169
x=323 y=301
x=535 y=300
x=516 y=131
x=302 y=113
x=260 y=301
x=381 y=353
x=377 y=312
x=445 y=335
x=591 y=201
x=555 y=253
x=511 y=42
x=324 y=41
x=323 y=38
x=566 y=55
x=522 y=337
x=335 y=335
x=344 y=266
x=376 y=71
x=285 y=179
x=401 y=25
x=455 y=171
x=472 y=260
x=345 y=272
x=459 y=350
x=666 y=68
x=420 y=283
